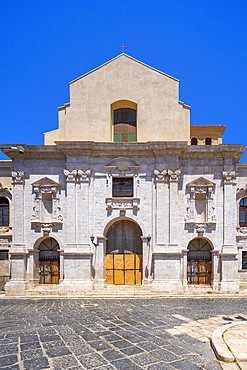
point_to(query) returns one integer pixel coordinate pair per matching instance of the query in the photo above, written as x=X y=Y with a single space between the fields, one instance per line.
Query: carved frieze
x=122 y=204
x=167 y=175
x=4 y=229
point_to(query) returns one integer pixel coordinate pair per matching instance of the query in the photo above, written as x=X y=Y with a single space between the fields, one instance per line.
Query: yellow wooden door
x=124 y=269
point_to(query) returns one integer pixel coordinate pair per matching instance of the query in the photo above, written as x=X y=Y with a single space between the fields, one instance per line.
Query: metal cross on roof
x=123 y=47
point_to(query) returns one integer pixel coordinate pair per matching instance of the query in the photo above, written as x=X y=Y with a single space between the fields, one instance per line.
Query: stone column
x=33 y=267
x=229 y=266
x=17 y=283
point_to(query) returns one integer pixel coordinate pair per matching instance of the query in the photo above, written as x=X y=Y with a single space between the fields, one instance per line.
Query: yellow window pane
x=119 y=277
x=129 y=277
x=109 y=276
x=118 y=261
x=129 y=261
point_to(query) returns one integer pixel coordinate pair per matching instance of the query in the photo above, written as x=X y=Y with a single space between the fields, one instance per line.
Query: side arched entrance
x=199 y=262
x=124 y=254
x=49 y=261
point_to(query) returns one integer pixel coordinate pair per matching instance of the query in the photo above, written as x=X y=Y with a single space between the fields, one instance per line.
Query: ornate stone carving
x=228 y=176
x=46 y=192
x=4 y=229
x=120 y=203
x=4 y=188
x=243 y=230
x=160 y=175
x=201 y=190
x=46 y=228
x=83 y=175
x=200 y=229
x=18 y=177
x=173 y=175
x=70 y=175
x=77 y=175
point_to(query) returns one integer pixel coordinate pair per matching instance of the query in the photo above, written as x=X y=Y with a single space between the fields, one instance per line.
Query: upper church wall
x=89 y=115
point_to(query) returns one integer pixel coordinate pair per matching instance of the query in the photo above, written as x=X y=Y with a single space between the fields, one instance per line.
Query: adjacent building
x=126 y=193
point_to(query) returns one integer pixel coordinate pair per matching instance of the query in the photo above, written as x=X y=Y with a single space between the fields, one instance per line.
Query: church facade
x=127 y=193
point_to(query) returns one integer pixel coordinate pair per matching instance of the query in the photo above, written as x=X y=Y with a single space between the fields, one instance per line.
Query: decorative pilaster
x=229 y=250
x=99 y=262
x=173 y=205
x=162 y=207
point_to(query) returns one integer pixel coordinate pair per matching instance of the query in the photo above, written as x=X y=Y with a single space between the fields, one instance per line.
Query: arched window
x=243 y=212
x=124 y=125
x=194 y=141
x=208 y=141
x=4 y=211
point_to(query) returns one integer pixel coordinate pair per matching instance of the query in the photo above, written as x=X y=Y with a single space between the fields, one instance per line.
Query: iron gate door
x=49 y=270
x=199 y=265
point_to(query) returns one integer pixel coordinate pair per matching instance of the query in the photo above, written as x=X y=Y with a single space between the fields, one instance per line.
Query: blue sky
x=46 y=44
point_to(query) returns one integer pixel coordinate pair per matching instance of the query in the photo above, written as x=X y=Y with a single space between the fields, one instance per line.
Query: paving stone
x=185 y=365
x=121 y=343
x=29 y=338
x=61 y=351
x=112 y=355
x=125 y=364
x=64 y=362
x=131 y=350
x=8 y=349
x=38 y=363
x=28 y=355
x=8 y=360
x=100 y=345
x=31 y=345
x=92 y=362
x=144 y=359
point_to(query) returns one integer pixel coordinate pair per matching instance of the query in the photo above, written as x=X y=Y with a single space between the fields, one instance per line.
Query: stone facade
x=82 y=193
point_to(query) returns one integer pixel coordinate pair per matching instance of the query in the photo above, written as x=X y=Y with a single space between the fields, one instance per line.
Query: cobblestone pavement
x=104 y=334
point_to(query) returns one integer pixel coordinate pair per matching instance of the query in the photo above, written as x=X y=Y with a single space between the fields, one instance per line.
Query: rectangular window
x=122 y=187
x=4 y=255
x=244 y=260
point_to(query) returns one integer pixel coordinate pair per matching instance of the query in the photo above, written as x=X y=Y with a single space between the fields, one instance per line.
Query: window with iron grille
x=244 y=260
x=243 y=212
x=4 y=211
x=122 y=187
x=4 y=255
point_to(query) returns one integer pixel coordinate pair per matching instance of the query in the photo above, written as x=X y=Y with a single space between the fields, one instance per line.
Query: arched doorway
x=199 y=265
x=124 y=254
x=49 y=270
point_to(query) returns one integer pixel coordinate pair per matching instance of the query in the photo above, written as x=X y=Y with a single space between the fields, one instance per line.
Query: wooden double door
x=124 y=254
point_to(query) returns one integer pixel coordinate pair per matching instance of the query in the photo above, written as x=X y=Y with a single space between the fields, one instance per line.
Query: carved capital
x=228 y=176
x=173 y=175
x=160 y=175
x=70 y=175
x=18 y=177
x=83 y=175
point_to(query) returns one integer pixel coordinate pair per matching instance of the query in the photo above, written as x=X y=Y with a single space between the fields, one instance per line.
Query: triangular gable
x=200 y=182
x=123 y=55
x=45 y=182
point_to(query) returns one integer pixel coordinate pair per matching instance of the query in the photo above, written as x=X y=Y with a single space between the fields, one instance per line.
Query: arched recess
x=49 y=261
x=199 y=262
x=124 y=121
x=124 y=253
